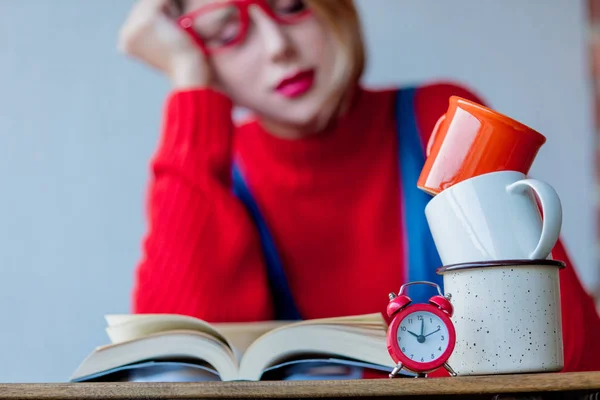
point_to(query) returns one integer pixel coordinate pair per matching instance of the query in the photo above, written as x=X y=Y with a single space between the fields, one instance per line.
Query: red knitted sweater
x=332 y=204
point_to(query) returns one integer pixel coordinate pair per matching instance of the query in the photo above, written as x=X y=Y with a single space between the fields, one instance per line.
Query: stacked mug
x=494 y=229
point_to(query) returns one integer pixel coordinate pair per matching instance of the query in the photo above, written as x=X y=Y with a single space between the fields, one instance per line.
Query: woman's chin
x=309 y=116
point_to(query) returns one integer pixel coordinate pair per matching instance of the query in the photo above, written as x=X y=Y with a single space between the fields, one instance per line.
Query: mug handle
x=434 y=133
x=552 y=214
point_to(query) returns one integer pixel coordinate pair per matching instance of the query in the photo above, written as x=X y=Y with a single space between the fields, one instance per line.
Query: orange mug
x=472 y=140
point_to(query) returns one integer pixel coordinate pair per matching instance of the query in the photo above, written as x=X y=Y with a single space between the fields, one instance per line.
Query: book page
x=123 y=328
x=366 y=345
x=166 y=346
x=242 y=335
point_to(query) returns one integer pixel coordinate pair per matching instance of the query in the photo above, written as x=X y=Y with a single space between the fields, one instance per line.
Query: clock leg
x=395 y=371
x=449 y=369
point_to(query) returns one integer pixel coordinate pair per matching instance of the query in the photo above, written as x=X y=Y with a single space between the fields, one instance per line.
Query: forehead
x=196 y=4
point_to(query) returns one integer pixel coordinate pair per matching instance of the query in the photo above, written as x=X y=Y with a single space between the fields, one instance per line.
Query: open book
x=243 y=351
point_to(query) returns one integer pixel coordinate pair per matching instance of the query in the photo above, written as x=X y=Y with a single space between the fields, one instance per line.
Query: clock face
x=422 y=336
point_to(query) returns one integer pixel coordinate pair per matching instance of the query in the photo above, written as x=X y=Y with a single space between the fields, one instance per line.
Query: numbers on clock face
x=422 y=336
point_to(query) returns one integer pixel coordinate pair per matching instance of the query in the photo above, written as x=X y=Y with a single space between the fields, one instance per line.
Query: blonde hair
x=341 y=16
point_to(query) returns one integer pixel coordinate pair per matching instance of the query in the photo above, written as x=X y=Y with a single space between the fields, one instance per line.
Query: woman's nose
x=275 y=40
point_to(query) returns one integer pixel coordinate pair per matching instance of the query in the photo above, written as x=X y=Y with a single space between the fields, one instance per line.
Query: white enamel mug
x=507 y=316
x=495 y=217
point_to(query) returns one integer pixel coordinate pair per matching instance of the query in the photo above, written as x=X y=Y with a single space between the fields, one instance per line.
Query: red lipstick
x=297 y=84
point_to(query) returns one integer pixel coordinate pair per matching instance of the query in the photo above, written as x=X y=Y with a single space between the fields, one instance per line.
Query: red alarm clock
x=421 y=337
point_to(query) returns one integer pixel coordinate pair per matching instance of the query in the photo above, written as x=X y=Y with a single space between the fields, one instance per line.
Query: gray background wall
x=78 y=123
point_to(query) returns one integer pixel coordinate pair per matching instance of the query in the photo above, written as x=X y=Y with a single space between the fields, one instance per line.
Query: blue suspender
x=422 y=257
x=283 y=302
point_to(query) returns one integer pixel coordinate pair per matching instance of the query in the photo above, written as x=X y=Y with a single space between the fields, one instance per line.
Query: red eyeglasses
x=224 y=24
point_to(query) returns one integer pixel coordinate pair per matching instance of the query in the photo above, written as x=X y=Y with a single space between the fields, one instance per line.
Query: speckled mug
x=507 y=316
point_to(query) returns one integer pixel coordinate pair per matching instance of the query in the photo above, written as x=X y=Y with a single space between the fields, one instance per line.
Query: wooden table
x=543 y=386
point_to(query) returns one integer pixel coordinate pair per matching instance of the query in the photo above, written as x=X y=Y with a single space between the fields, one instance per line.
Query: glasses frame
x=186 y=21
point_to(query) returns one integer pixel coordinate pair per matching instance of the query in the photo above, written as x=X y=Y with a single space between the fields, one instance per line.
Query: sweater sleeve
x=201 y=255
x=580 y=320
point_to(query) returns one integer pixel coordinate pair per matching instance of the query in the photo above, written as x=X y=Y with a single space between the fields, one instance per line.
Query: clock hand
x=422 y=325
x=429 y=334
x=420 y=338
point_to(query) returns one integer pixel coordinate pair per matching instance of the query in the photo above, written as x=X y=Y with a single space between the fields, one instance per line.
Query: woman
x=312 y=221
